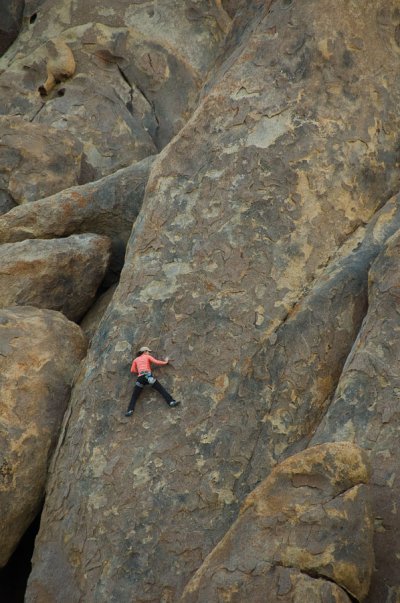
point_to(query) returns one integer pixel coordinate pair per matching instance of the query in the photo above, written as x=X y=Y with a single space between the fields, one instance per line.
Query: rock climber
x=142 y=367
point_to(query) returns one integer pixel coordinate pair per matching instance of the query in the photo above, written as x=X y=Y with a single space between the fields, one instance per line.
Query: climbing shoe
x=173 y=403
x=129 y=413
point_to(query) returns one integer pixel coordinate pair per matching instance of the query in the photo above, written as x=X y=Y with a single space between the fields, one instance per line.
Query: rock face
x=311 y=515
x=40 y=353
x=107 y=207
x=10 y=22
x=48 y=274
x=301 y=366
x=36 y=162
x=365 y=410
x=281 y=163
x=139 y=68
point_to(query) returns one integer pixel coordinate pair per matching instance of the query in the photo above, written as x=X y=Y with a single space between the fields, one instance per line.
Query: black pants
x=139 y=386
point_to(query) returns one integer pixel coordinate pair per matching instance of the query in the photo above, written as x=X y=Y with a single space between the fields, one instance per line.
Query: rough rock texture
x=36 y=162
x=10 y=21
x=139 y=68
x=365 y=410
x=272 y=584
x=301 y=366
x=311 y=514
x=282 y=161
x=91 y=320
x=40 y=351
x=108 y=206
x=48 y=273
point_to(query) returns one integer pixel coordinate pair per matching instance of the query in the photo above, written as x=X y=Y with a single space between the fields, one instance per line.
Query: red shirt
x=142 y=364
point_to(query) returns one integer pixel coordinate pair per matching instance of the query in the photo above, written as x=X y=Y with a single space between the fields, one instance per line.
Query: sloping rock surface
x=365 y=410
x=49 y=273
x=312 y=515
x=278 y=167
x=40 y=351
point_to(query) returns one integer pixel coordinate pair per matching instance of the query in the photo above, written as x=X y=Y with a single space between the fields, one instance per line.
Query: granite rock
x=40 y=354
x=48 y=273
x=139 y=69
x=311 y=515
x=36 y=162
x=107 y=207
x=282 y=161
x=364 y=410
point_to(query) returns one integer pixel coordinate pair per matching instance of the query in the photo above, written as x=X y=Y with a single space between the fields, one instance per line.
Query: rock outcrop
x=58 y=274
x=107 y=207
x=40 y=352
x=139 y=69
x=365 y=411
x=302 y=365
x=281 y=163
x=36 y=162
x=310 y=519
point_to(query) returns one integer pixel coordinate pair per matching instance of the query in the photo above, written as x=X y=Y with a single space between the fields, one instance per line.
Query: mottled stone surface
x=10 y=21
x=40 y=351
x=139 y=68
x=58 y=274
x=302 y=365
x=282 y=161
x=365 y=410
x=36 y=162
x=311 y=514
x=108 y=206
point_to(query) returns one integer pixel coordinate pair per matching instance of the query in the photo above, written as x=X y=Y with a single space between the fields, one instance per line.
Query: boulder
x=36 y=162
x=108 y=207
x=40 y=352
x=11 y=12
x=311 y=515
x=48 y=273
x=277 y=168
x=139 y=68
x=365 y=410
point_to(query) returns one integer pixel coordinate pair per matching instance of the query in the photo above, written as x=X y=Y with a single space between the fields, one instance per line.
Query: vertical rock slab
x=365 y=411
x=312 y=515
x=40 y=351
x=278 y=166
x=49 y=273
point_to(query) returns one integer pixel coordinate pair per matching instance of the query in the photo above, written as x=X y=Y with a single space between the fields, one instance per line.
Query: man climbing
x=142 y=367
